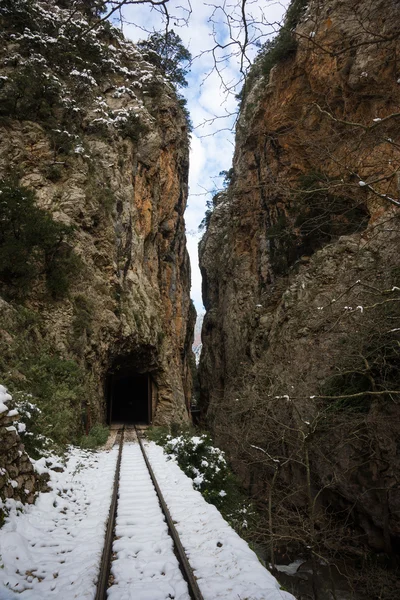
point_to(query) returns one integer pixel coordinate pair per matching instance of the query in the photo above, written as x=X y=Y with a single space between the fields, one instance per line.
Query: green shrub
x=284 y=44
x=48 y=392
x=211 y=204
x=61 y=141
x=280 y=48
x=83 y=316
x=133 y=128
x=183 y=104
x=30 y=94
x=18 y=12
x=54 y=172
x=32 y=244
x=107 y=199
x=34 y=373
x=62 y=267
x=158 y=434
x=28 y=425
x=57 y=387
x=207 y=467
x=283 y=244
x=98 y=436
x=341 y=384
x=90 y=8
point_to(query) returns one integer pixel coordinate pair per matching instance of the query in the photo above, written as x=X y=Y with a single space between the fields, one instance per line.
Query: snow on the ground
x=224 y=565
x=52 y=549
x=145 y=567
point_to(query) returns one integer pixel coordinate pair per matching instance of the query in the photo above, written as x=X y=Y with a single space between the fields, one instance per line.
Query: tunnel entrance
x=129 y=398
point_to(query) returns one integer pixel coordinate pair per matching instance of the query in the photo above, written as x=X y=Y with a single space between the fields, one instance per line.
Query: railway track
x=137 y=510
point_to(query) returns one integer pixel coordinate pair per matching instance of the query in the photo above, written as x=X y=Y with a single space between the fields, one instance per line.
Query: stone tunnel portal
x=129 y=398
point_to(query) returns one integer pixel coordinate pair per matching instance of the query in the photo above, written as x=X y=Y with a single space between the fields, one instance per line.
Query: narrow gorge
x=290 y=426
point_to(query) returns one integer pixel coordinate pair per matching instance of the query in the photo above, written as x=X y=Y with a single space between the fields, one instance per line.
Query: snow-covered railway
x=143 y=557
x=53 y=549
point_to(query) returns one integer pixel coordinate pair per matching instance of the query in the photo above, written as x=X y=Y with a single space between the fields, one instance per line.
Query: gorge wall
x=301 y=277
x=97 y=137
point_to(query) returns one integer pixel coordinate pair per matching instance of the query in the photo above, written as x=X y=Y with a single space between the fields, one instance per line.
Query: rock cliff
x=299 y=368
x=98 y=138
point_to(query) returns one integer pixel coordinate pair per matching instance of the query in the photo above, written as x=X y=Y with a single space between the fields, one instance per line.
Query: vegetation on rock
x=32 y=245
x=281 y=47
x=96 y=437
x=206 y=465
x=167 y=52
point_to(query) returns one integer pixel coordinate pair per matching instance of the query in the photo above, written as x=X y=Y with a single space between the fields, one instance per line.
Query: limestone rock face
x=301 y=272
x=105 y=151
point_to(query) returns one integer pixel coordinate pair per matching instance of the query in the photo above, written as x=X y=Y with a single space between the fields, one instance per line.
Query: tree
x=90 y=8
x=167 y=52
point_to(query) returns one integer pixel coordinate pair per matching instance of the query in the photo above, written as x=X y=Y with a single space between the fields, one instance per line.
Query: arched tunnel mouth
x=129 y=399
x=129 y=394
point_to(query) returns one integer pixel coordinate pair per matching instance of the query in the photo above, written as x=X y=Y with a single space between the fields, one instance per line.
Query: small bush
x=30 y=94
x=61 y=141
x=211 y=204
x=98 y=436
x=28 y=425
x=206 y=466
x=183 y=104
x=133 y=128
x=83 y=316
x=54 y=172
x=47 y=391
x=61 y=269
x=322 y=216
x=107 y=199
x=18 y=12
x=280 y=48
x=57 y=387
x=34 y=373
x=284 y=44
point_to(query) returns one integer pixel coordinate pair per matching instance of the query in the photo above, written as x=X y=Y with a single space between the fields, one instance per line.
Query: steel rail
x=186 y=569
x=105 y=565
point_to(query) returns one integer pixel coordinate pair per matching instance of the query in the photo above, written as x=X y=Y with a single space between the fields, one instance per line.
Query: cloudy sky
x=212 y=140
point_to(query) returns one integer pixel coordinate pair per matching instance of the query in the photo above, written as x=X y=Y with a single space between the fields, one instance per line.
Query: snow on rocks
x=17 y=479
x=53 y=549
x=145 y=567
x=223 y=563
x=4 y=398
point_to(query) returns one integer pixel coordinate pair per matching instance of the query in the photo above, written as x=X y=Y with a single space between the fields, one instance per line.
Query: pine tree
x=167 y=52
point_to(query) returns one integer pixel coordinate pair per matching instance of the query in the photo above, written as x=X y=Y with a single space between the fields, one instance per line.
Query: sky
x=209 y=93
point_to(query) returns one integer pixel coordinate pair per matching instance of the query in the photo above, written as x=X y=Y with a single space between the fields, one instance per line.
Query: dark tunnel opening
x=129 y=398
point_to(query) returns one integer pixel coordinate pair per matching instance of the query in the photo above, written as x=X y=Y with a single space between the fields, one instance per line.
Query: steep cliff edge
x=299 y=368
x=95 y=137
